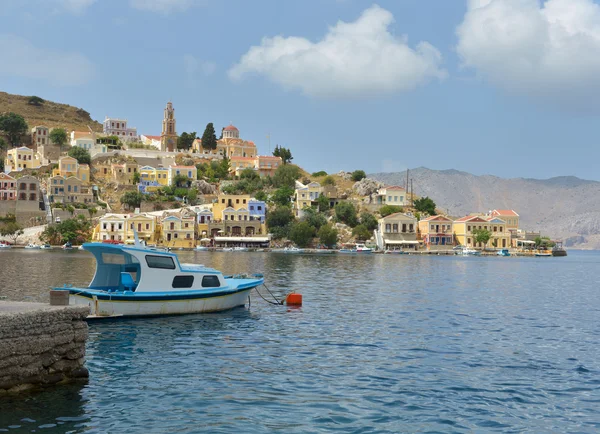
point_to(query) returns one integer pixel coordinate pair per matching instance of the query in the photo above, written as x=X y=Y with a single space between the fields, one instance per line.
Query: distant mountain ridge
x=563 y=207
x=50 y=114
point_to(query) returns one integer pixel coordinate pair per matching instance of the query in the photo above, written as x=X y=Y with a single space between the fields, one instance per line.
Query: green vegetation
x=132 y=199
x=279 y=221
x=387 y=210
x=358 y=175
x=319 y=174
x=329 y=180
x=425 y=205
x=314 y=218
x=368 y=220
x=181 y=181
x=284 y=153
x=249 y=173
x=3 y=144
x=345 y=212
x=76 y=231
x=282 y=196
x=136 y=177
x=81 y=155
x=244 y=186
x=482 y=236
x=214 y=171
x=544 y=243
x=361 y=232
x=323 y=203
x=10 y=228
x=58 y=136
x=302 y=234
x=261 y=195
x=328 y=235
x=209 y=139
x=13 y=126
x=35 y=100
x=185 y=140
x=286 y=175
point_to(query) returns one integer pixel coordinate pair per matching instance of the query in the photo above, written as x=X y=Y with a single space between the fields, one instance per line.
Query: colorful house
x=238 y=164
x=68 y=167
x=397 y=231
x=465 y=227
x=21 y=158
x=509 y=216
x=392 y=195
x=306 y=196
x=189 y=172
x=62 y=189
x=8 y=187
x=437 y=232
x=179 y=229
x=267 y=165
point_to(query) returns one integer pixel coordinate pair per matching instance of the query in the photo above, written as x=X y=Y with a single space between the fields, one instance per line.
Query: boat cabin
x=135 y=268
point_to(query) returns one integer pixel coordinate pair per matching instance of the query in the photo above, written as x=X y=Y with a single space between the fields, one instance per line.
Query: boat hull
x=129 y=304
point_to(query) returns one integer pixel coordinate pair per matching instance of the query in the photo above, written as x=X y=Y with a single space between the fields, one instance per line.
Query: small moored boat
x=32 y=246
x=293 y=249
x=139 y=281
x=470 y=252
x=4 y=245
x=503 y=252
x=46 y=247
x=67 y=246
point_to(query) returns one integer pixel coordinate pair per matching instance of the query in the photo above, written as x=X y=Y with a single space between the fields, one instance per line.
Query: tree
x=284 y=153
x=209 y=139
x=302 y=233
x=35 y=100
x=249 y=173
x=3 y=144
x=260 y=195
x=12 y=230
x=361 y=233
x=136 y=177
x=71 y=209
x=181 y=181
x=192 y=195
x=358 y=175
x=328 y=235
x=314 y=218
x=369 y=221
x=319 y=174
x=387 y=210
x=323 y=203
x=286 y=175
x=185 y=140
x=329 y=180
x=279 y=221
x=81 y=155
x=282 y=196
x=77 y=231
x=482 y=236
x=58 y=136
x=93 y=211
x=13 y=126
x=345 y=212
x=131 y=199
x=425 y=205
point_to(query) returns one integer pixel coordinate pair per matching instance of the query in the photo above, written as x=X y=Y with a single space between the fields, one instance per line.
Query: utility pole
x=412 y=192
x=269 y=137
x=406 y=185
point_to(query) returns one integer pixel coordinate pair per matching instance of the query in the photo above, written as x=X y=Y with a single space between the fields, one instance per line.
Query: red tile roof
x=230 y=128
x=436 y=218
x=469 y=218
x=394 y=187
x=505 y=212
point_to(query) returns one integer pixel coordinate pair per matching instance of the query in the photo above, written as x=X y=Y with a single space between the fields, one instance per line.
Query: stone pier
x=41 y=345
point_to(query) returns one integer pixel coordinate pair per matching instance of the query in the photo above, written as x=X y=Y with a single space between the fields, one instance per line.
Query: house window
x=259 y=208
x=411 y=227
x=469 y=228
x=147 y=226
x=395 y=227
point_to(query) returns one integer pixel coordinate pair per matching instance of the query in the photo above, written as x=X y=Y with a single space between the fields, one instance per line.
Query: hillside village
x=182 y=191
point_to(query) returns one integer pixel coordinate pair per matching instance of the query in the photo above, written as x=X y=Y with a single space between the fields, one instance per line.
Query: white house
x=87 y=140
x=119 y=128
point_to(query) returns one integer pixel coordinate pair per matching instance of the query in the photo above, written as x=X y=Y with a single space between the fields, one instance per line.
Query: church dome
x=231 y=132
x=230 y=128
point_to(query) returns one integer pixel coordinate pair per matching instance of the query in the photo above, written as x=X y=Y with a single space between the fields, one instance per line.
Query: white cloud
x=22 y=59
x=194 y=67
x=356 y=59
x=76 y=6
x=547 y=50
x=162 y=6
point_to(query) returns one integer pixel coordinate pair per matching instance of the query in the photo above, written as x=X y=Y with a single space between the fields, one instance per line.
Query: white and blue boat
x=503 y=252
x=140 y=281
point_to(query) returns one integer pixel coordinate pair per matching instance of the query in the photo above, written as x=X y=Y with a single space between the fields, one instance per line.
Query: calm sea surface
x=381 y=344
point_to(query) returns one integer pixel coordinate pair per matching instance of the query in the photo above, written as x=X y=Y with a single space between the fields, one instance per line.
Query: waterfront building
x=464 y=231
x=119 y=128
x=168 y=135
x=122 y=227
x=501 y=237
x=8 y=187
x=178 y=229
x=20 y=158
x=204 y=215
x=234 y=220
x=111 y=227
x=509 y=216
x=391 y=195
x=257 y=210
x=437 y=232
x=397 y=231
x=144 y=225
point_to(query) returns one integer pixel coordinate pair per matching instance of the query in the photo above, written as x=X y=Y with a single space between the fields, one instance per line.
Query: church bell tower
x=168 y=136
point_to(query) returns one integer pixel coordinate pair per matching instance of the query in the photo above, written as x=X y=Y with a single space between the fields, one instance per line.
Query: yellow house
x=179 y=229
x=224 y=201
x=509 y=216
x=68 y=166
x=144 y=225
x=306 y=195
x=238 y=164
x=20 y=158
x=162 y=176
x=436 y=232
x=148 y=174
x=190 y=172
x=464 y=231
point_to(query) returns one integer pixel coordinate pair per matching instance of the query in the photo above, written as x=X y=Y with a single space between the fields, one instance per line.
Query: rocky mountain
x=564 y=207
x=48 y=113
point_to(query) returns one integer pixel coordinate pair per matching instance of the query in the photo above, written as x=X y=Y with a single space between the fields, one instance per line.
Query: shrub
x=358 y=175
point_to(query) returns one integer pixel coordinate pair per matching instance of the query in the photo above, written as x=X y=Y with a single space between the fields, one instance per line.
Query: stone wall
x=41 y=345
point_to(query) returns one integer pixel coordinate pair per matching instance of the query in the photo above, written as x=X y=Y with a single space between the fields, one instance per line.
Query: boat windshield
x=115 y=269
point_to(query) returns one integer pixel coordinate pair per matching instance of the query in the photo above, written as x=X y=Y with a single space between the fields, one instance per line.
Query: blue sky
x=502 y=87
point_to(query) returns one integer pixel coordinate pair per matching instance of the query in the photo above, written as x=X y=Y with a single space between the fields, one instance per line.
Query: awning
x=205 y=240
x=526 y=241
x=243 y=239
x=400 y=242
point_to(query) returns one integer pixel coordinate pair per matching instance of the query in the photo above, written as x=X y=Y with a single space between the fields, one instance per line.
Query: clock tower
x=168 y=136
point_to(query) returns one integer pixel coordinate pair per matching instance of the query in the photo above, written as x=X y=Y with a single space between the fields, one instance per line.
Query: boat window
x=113 y=258
x=183 y=281
x=210 y=282
x=160 y=262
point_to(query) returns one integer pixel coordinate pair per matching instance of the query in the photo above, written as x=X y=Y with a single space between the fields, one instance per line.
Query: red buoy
x=293 y=299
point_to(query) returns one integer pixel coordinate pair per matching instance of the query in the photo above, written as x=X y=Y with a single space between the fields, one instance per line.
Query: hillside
x=565 y=207
x=50 y=114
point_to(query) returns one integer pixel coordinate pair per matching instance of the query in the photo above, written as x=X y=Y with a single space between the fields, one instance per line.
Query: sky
x=503 y=87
